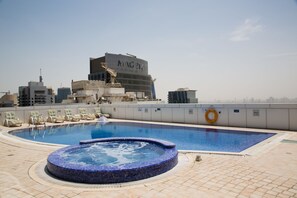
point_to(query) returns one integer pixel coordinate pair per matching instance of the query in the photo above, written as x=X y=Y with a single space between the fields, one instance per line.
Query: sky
x=226 y=50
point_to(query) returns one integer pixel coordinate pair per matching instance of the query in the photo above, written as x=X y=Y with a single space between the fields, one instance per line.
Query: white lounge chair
x=36 y=118
x=53 y=118
x=98 y=113
x=11 y=120
x=70 y=117
x=84 y=115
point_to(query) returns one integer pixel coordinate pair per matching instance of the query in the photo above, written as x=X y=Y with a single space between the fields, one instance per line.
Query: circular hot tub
x=112 y=160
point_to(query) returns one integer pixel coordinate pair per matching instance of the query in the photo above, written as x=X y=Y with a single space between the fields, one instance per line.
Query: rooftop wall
x=266 y=116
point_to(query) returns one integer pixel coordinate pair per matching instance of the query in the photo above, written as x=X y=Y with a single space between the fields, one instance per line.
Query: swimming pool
x=112 y=160
x=185 y=138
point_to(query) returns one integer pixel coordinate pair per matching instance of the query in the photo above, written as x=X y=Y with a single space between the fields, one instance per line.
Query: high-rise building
x=182 y=95
x=36 y=94
x=62 y=94
x=132 y=73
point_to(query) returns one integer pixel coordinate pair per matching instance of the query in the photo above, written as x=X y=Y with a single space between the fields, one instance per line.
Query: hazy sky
x=223 y=49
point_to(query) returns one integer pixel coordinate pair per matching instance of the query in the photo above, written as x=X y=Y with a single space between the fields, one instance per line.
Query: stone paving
x=269 y=172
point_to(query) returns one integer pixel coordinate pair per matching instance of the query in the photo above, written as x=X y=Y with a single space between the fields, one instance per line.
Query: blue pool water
x=185 y=138
x=114 y=153
x=112 y=160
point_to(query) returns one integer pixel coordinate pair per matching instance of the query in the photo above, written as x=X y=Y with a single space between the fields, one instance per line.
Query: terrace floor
x=269 y=170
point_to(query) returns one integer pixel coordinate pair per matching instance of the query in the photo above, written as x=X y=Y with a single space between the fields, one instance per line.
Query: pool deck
x=266 y=170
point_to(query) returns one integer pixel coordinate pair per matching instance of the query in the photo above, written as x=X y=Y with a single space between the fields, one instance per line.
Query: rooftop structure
x=36 y=94
x=130 y=71
x=93 y=91
x=182 y=95
x=8 y=100
x=63 y=92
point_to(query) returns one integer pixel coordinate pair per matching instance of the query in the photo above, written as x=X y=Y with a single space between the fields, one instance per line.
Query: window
x=236 y=110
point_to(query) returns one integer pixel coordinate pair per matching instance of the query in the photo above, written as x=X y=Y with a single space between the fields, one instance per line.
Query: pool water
x=112 y=160
x=185 y=138
x=113 y=153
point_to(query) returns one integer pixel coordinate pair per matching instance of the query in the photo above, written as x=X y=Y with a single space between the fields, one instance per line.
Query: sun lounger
x=70 y=117
x=86 y=116
x=11 y=120
x=36 y=118
x=53 y=118
x=98 y=113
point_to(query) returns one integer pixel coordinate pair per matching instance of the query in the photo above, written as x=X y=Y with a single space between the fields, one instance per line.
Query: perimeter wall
x=267 y=116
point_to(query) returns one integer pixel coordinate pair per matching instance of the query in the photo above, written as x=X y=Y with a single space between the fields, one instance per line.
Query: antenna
x=40 y=77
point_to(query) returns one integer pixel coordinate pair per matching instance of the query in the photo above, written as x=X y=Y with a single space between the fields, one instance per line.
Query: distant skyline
x=223 y=49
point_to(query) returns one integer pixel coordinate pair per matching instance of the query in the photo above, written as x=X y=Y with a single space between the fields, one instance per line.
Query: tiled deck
x=271 y=171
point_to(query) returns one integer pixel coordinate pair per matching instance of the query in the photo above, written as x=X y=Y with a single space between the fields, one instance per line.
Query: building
x=182 y=95
x=36 y=94
x=86 y=85
x=93 y=91
x=132 y=73
x=62 y=94
x=8 y=100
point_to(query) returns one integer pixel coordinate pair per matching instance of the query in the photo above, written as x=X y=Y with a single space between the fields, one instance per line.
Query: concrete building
x=36 y=94
x=93 y=91
x=62 y=94
x=182 y=95
x=8 y=100
x=132 y=73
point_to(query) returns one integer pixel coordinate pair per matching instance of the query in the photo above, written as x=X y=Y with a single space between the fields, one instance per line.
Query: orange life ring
x=214 y=119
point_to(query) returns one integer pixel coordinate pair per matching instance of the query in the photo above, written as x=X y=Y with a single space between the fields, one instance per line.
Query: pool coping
x=37 y=173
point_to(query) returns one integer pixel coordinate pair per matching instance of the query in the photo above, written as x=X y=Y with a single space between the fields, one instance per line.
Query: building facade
x=182 y=95
x=62 y=94
x=8 y=100
x=35 y=94
x=132 y=73
x=94 y=91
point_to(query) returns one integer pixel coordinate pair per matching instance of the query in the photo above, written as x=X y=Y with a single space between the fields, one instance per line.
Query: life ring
x=215 y=117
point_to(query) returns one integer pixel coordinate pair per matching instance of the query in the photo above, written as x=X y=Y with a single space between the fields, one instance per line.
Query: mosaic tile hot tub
x=112 y=160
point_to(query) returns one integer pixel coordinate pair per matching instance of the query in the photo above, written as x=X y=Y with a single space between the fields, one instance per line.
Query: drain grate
x=289 y=141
